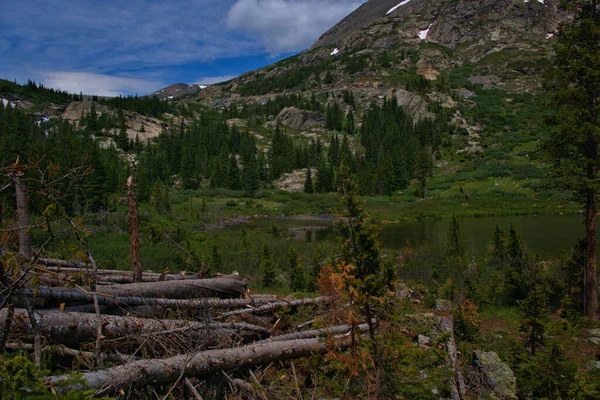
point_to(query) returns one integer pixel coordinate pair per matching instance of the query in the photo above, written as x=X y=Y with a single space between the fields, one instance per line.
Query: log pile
x=211 y=326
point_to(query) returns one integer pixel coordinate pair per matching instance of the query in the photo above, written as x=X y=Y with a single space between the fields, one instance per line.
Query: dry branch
x=65 y=351
x=334 y=330
x=155 y=372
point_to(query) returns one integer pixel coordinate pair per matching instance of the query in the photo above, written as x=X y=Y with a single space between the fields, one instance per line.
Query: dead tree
x=68 y=294
x=457 y=383
x=74 y=328
x=136 y=264
x=23 y=218
x=161 y=371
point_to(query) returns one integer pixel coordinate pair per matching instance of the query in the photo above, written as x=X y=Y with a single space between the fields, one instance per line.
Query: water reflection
x=544 y=234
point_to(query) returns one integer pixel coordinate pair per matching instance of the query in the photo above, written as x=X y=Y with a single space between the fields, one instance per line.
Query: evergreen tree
x=250 y=176
x=308 y=183
x=215 y=263
x=454 y=239
x=233 y=180
x=498 y=246
x=315 y=270
x=267 y=268
x=573 y=147
x=533 y=312
x=297 y=274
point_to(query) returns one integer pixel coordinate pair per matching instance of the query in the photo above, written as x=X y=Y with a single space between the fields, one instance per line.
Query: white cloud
x=209 y=80
x=97 y=84
x=288 y=25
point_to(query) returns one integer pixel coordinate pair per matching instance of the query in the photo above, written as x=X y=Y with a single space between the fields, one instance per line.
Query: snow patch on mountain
x=403 y=3
x=5 y=102
x=423 y=34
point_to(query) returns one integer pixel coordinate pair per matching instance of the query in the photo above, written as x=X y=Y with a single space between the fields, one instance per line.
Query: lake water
x=544 y=234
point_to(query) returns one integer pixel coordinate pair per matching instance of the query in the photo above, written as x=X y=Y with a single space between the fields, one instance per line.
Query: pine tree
x=308 y=183
x=267 y=268
x=233 y=180
x=250 y=176
x=454 y=239
x=573 y=148
x=498 y=246
x=215 y=263
x=297 y=274
x=533 y=312
x=315 y=270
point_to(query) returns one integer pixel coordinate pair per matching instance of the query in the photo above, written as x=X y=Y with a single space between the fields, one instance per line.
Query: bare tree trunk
x=457 y=383
x=155 y=372
x=6 y=322
x=136 y=264
x=72 y=328
x=22 y=216
x=590 y=277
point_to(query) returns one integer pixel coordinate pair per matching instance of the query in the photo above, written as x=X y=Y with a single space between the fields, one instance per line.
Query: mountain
x=388 y=45
x=178 y=90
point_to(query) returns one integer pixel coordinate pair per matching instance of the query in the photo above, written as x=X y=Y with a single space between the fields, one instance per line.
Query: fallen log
x=333 y=330
x=223 y=288
x=107 y=276
x=72 y=328
x=155 y=372
x=277 y=304
x=457 y=382
x=75 y=295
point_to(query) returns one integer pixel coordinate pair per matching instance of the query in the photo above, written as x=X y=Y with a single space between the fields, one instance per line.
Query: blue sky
x=111 y=47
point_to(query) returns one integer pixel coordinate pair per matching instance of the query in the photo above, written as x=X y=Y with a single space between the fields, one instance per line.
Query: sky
x=112 y=47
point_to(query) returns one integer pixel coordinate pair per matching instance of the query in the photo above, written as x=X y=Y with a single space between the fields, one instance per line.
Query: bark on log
x=457 y=383
x=189 y=289
x=58 y=277
x=72 y=329
x=278 y=304
x=155 y=372
x=62 y=294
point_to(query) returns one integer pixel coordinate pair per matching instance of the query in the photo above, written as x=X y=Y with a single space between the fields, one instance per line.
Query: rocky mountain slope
x=388 y=45
x=178 y=90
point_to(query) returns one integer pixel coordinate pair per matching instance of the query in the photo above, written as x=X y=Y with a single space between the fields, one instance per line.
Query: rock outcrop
x=496 y=374
x=301 y=120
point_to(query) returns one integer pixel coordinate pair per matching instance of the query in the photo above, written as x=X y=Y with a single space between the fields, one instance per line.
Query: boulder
x=497 y=374
x=443 y=305
x=595 y=332
x=594 y=340
x=301 y=120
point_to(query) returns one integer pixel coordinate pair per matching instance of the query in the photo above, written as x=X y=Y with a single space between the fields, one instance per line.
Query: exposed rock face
x=414 y=104
x=492 y=24
x=497 y=374
x=364 y=15
x=298 y=119
x=135 y=122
